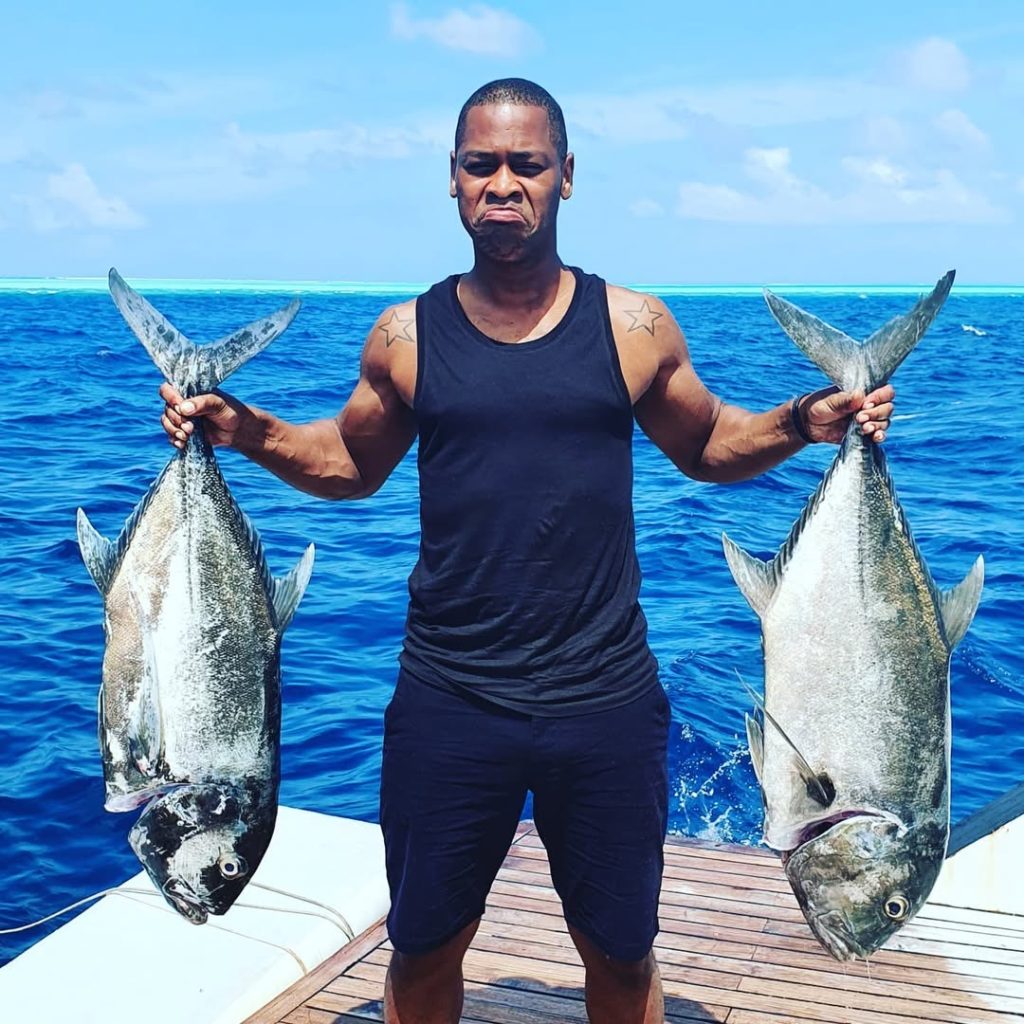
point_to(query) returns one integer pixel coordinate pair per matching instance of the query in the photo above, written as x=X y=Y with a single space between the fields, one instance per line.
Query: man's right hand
x=222 y=416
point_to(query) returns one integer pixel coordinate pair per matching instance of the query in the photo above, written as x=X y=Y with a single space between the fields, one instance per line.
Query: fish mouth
x=819 y=827
x=836 y=934
x=184 y=900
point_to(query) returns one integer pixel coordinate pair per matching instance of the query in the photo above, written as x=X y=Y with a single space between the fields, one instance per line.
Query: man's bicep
x=377 y=429
x=678 y=413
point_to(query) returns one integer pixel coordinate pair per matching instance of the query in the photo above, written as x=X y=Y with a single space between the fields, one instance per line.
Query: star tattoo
x=396 y=329
x=643 y=317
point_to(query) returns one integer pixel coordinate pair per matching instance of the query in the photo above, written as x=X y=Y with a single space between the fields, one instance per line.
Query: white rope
x=220 y=927
x=338 y=919
x=345 y=926
x=57 y=913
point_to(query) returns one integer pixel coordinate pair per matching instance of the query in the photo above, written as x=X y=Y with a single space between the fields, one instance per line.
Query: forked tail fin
x=854 y=365
x=192 y=368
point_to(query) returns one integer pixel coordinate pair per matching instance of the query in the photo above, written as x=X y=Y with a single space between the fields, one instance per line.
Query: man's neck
x=522 y=286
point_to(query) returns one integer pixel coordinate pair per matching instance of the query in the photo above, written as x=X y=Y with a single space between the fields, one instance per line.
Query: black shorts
x=455 y=775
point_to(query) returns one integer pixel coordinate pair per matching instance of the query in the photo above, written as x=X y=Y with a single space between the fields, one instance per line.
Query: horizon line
x=73 y=283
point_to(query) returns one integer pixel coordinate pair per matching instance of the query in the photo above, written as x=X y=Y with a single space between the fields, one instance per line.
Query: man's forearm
x=744 y=444
x=309 y=456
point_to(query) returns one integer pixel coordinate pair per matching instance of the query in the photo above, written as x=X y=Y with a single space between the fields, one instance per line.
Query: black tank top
x=525 y=592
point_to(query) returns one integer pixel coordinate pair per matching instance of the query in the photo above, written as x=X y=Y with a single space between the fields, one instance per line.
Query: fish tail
x=192 y=368
x=853 y=365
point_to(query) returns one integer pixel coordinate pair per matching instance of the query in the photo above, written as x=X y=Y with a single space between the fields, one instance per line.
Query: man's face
x=508 y=179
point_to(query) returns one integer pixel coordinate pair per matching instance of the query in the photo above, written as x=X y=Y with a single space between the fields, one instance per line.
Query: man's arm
x=705 y=437
x=349 y=456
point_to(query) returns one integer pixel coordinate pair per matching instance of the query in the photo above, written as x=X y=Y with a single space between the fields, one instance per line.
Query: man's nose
x=503 y=184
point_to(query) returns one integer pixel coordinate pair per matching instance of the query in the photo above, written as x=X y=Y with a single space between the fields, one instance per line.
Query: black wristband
x=798 y=422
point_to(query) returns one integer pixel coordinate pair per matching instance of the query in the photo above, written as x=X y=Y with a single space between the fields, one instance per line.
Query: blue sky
x=715 y=143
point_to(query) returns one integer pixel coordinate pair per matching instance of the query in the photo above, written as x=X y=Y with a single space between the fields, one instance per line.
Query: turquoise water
x=80 y=416
x=58 y=285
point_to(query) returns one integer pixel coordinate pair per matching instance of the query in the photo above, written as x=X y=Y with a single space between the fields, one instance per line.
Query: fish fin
x=848 y=364
x=755 y=577
x=959 y=603
x=99 y=554
x=755 y=742
x=893 y=342
x=819 y=787
x=288 y=590
x=828 y=348
x=194 y=368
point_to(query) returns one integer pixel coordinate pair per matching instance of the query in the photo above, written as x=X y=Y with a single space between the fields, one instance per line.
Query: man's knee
x=443 y=962
x=627 y=974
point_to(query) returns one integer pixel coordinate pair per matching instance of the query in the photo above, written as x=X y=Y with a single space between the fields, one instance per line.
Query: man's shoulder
x=640 y=314
x=395 y=325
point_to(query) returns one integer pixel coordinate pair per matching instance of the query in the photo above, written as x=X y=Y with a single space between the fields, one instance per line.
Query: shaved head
x=519 y=92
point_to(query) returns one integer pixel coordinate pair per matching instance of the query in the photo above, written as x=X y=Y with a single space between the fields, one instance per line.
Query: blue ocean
x=81 y=428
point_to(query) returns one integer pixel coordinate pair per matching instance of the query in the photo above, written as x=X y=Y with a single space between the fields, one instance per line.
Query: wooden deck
x=733 y=948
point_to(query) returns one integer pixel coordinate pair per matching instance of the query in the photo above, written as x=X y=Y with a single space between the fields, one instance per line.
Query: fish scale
x=190 y=704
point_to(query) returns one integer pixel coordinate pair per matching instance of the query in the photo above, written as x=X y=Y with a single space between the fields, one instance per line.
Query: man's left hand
x=826 y=414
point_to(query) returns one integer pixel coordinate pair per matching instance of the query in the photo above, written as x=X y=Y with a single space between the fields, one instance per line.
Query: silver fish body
x=852 y=748
x=190 y=704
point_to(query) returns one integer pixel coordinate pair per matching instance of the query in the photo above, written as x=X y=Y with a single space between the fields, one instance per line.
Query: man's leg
x=427 y=988
x=452 y=787
x=600 y=805
x=620 y=991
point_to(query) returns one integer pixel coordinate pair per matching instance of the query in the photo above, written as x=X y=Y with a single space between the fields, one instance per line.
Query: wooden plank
x=799 y=939
x=979 y=1013
x=733 y=949
x=495 y=1003
x=857 y=972
x=319 y=976
x=521 y=868
x=722 y=860
x=506 y=971
x=984 y=918
x=916 y=941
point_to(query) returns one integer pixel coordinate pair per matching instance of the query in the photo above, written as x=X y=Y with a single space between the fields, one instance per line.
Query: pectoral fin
x=754 y=577
x=289 y=589
x=98 y=553
x=959 y=604
x=820 y=787
x=755 y=742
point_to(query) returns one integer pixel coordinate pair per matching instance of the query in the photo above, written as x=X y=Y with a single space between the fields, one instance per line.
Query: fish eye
x=230 y=865
x=897 y=907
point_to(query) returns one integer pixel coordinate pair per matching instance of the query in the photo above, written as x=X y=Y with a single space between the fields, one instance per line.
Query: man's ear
x=452 y=191
x=568 y=167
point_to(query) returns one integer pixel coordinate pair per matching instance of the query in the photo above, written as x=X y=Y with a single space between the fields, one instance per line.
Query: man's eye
x=477 y=167
x=528 y=170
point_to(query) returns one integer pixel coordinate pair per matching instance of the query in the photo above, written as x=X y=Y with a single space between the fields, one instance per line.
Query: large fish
x=190 y=704
x=852 y=740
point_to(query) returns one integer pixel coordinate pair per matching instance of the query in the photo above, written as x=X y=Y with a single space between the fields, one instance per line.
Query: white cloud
x=479 y=29
x=72 y=200
x=656 y=115
x=937 y=65
x=771 y=168
x=882 y=194
x=238 y=165
x=958 y=128
x=638 y=118
x=301 y=147
x=646 y=208
x=875 y=170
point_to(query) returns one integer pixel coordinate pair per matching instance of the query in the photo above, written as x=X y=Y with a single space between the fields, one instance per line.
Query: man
x=525 y=664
